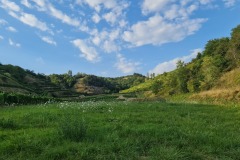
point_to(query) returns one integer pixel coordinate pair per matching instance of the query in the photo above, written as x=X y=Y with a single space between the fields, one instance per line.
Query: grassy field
x=120 y=130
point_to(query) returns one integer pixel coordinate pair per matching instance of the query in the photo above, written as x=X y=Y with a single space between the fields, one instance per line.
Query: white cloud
x=96 y=18
x=26 y=3
x=171 y=65
x=40 y=3
x=110 y=17
x=58 y=14
x=168 y=21
x=63 y=17
x=229 y=3
x=96 y=40
x=106 y=40
x=11 y=29
x=8 y=5
x=12 y=43
x=29 y=19
x=123 y=23
x=96 y=4
x=156 y=30
x=125 y=65
x=1 y=38
x=3 y=22
x=48 y=40
x=205 y=2
x=110 y=46
x=175 y=12
x=150 y=6
x=111 y=10
x=89 y=53
x=162 y=6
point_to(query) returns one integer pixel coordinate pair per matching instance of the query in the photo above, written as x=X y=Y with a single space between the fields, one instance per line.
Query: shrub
x=11 y=98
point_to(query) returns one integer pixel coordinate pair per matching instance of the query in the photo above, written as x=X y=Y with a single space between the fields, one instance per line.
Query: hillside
x=14 y=79
x=215 y=70
x=17 y=80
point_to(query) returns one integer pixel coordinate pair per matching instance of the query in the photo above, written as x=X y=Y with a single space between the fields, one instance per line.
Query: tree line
x=219 y=56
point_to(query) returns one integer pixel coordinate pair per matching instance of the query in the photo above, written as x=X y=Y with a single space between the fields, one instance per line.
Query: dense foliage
x=14 y=79
x=114 y=84
x=11 y=99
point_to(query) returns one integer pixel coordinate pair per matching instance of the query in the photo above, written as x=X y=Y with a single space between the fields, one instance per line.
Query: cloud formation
x=168 y=21
x=11 y=29
x=3 y=22
x=12 y=43
x=156 y=30
x=48 y=40
x=89 y=53
x=229 y=3
x=46 y=6
x=125 y=65
x=15 y=11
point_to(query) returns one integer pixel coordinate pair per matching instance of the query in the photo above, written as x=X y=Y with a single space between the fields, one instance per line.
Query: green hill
x=214 y=70
x=14 y=79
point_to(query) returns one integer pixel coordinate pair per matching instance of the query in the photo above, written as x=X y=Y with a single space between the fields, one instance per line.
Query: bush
x=11 y=98
x=1 y=98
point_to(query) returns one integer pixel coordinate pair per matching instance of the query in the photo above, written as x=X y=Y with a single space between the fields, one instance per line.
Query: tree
x=234 y=47
x=152 y=75
x=70 y=73
x=210 y=72
x=54 y=79
x=195 y=76
x=182 y=76
x=156 y=86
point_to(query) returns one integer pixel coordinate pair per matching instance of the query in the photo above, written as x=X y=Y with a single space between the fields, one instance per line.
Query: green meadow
x=119 y=130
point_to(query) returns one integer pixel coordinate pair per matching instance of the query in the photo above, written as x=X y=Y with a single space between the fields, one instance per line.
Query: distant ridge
x=14 y=79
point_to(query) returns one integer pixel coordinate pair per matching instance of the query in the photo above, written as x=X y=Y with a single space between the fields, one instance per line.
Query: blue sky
x=110 y=37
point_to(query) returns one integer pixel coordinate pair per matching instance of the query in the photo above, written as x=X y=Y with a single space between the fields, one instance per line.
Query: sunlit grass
x=119 y=130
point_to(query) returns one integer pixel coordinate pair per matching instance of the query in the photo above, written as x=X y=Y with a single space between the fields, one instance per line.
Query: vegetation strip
x=119 y=130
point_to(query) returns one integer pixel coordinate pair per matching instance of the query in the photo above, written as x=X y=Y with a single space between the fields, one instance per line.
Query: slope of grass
x=139 y=88
x=226 y=90
x=229 y=80
x=120 y=130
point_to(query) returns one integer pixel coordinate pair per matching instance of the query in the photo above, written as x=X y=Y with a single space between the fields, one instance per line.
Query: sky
x=110 y=38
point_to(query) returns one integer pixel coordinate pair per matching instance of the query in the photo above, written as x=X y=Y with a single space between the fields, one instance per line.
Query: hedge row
x=10 y=98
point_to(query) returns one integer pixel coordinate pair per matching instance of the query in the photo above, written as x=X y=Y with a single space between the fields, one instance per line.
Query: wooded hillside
x=14 y=79
x=209 y=70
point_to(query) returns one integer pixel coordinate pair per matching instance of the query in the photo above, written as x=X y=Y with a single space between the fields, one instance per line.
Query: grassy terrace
x=119 y=130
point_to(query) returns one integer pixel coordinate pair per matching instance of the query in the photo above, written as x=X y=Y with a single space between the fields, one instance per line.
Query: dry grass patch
x=230 y=94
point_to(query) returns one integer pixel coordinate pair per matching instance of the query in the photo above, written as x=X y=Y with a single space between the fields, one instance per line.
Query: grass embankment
x=119 y=130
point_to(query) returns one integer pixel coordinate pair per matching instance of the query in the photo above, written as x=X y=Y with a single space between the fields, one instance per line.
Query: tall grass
x=7 y=124
x=120 y=130
x=73 y=127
